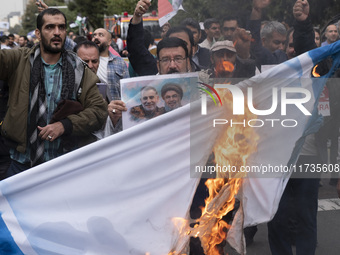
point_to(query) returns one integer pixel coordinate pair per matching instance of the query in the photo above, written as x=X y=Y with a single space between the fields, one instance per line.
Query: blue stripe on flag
x=7 y=243
x=316 y=120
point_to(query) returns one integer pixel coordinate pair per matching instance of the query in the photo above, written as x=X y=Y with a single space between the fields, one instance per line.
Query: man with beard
x=172 y=95
x=11 y=41
x=148 y=109
x=23 y=41
x=53 y=97
x=111 y=68
x=88 y=51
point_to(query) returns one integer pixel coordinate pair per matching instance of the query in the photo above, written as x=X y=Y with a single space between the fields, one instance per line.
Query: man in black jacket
x=300 y=198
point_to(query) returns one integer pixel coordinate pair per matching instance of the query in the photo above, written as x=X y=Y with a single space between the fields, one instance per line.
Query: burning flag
x=122 y=194
x=115 y=196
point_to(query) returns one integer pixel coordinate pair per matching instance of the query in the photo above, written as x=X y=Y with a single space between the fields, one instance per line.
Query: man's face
x=10 y=41
x=195 y=33
x=53 y=33
x=185 y=37
x=331 y=34
x=290 y=51
x=228 y=28
x=224 y=63
x=172 y=99
x=214 y=31
x=22 y=42
x=276 y=42
x=90 y=56
x=102 y=38
x=149 y=99
x=173 y=60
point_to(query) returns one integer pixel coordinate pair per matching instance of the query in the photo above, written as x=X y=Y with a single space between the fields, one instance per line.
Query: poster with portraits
x=147 y=97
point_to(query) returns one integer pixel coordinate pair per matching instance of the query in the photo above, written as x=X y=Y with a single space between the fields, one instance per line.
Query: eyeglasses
x=178 y=60
x=232 y=29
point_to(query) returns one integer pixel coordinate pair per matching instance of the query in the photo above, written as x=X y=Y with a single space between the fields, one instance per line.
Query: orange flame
x=233 y=148
x=314 y=72
x=224 y=69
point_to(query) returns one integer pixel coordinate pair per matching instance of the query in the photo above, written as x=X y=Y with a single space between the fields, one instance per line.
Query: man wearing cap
x=226 y=63
x=172 y=95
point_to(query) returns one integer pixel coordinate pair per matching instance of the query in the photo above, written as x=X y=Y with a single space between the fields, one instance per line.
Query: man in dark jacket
x=299 y=202
x=5 y=160
x=200 y=56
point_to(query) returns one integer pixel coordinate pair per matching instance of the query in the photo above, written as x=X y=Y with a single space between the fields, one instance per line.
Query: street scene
x=158 y=127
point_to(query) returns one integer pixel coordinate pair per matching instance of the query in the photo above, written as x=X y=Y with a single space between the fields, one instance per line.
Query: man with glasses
x=142 y=61
x=173 y=56
x=148 y=108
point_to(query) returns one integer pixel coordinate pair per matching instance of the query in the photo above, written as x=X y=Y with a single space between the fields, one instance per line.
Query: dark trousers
x=5 y=159
x=299 y=201
x=16 y=168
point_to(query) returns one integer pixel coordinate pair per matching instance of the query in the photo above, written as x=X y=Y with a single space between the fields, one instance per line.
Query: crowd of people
x=54 y=106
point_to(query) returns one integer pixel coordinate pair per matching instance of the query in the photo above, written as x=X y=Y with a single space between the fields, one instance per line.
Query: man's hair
x=48 y=11
x=208 y=22
x=332 y=24
x=24 y=36
x=79 y=39
x=172 y=42
x=272 y=26
x=85 y=44
x=180 y=29
x=229 y=18
x=146 y=88
x=192 y=23
x=11 y=35
x=4 y=38
x=172 y=86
